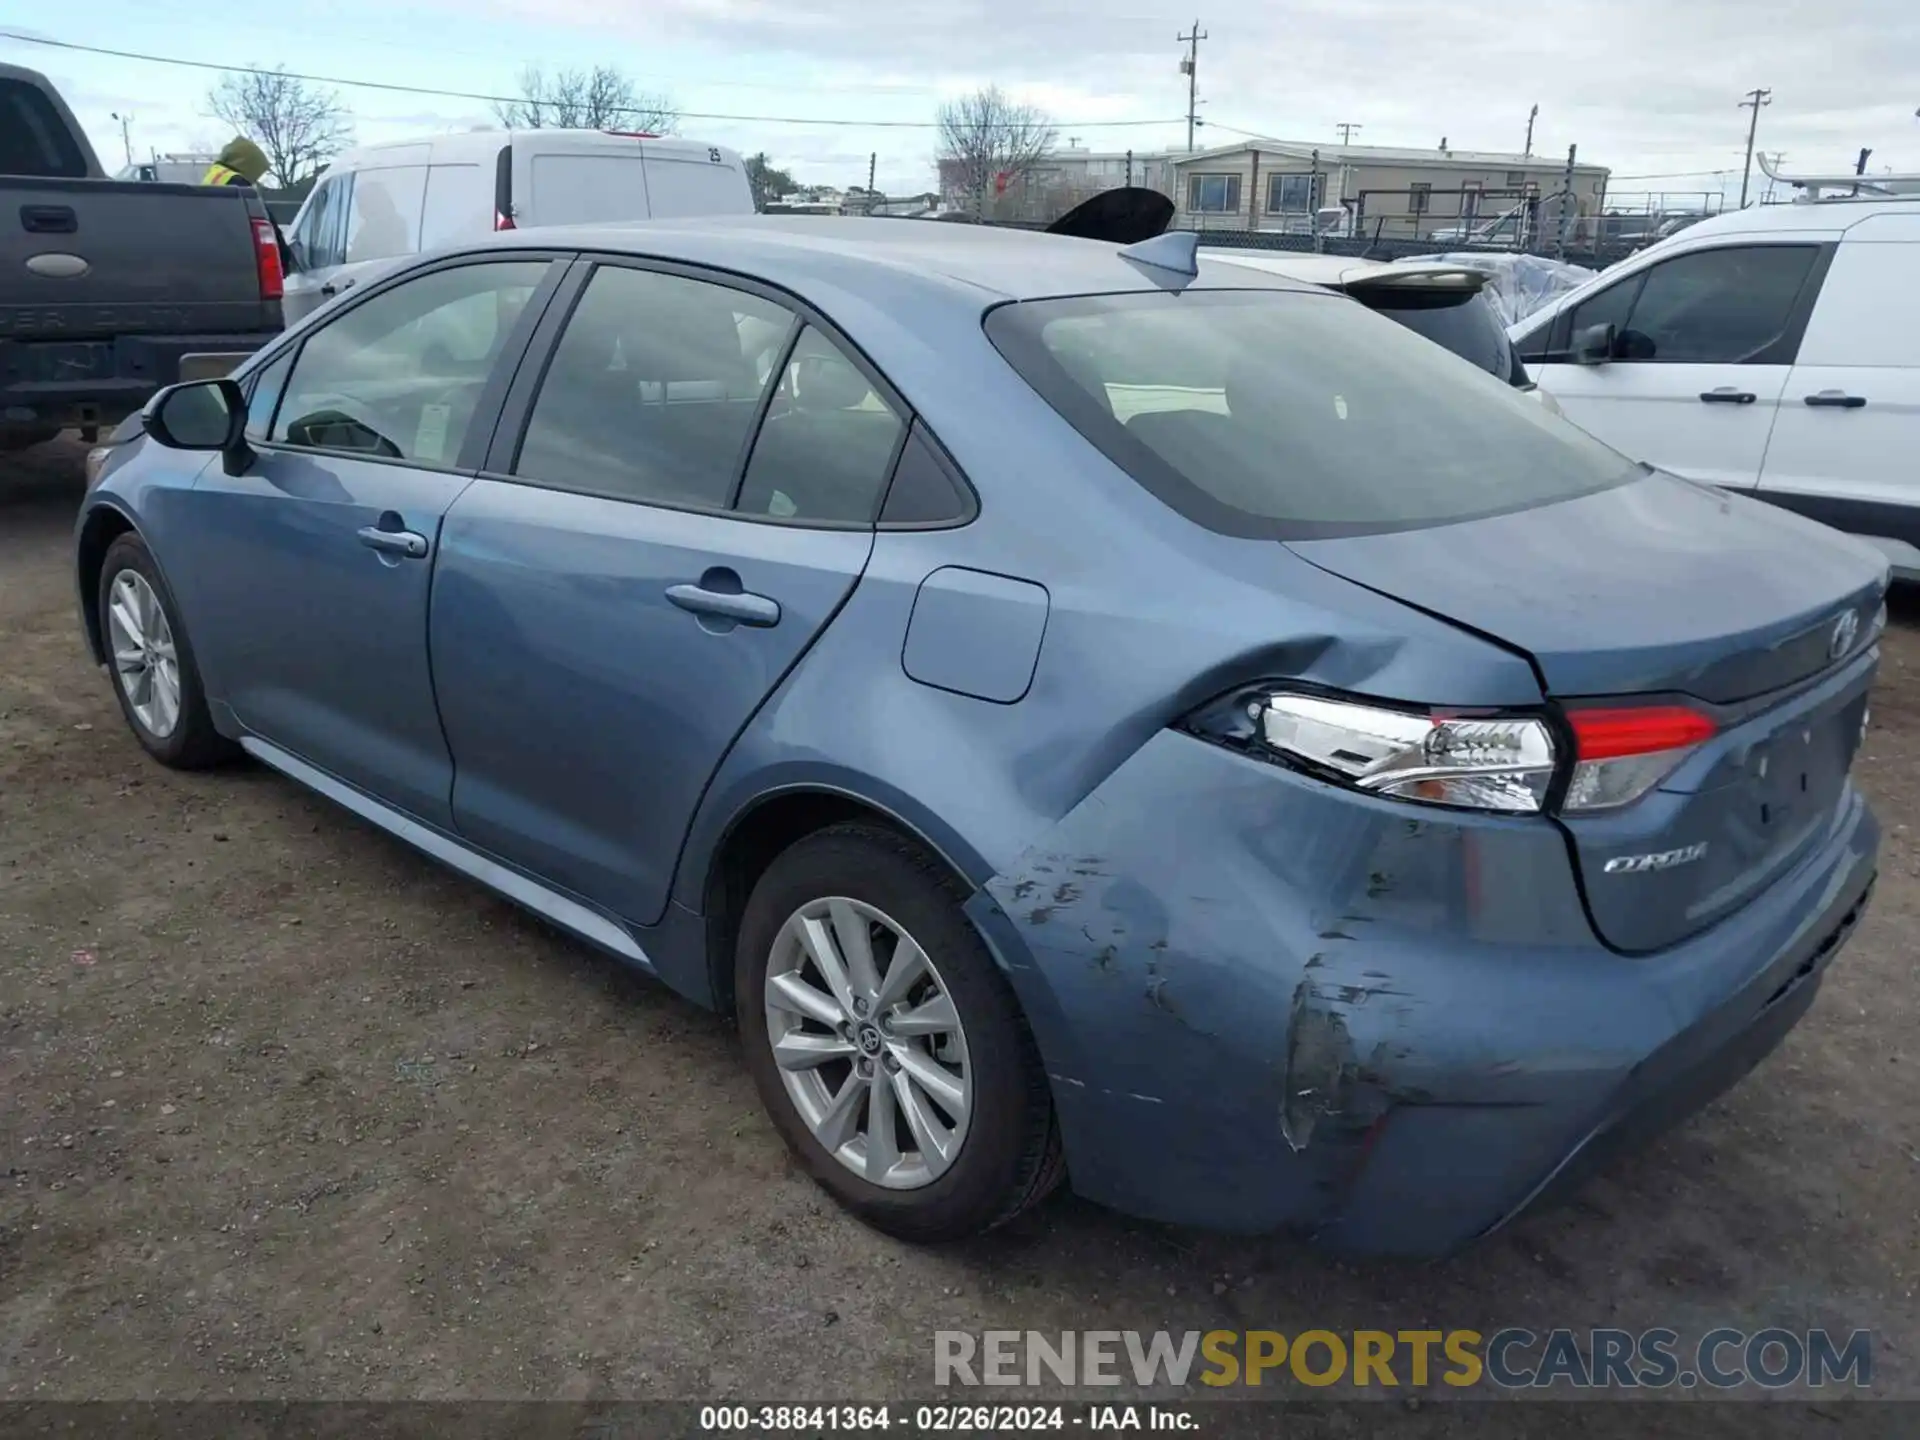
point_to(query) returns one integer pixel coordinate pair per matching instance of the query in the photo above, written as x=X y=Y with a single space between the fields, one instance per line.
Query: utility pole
x=1532 y=115
x=126 y=134
x=873 y=161
x=1346 y=129
x=1860 y=165
x=1129 y=169
x=1190 y=68
x=1755 y=99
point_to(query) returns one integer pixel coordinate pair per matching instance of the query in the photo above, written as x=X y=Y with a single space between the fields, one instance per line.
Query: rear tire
x=150 y=660
x=984 y=1096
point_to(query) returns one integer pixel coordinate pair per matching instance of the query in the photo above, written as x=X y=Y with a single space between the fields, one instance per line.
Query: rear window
x=1294 y=415
x=34 y=139
x=1466 y=325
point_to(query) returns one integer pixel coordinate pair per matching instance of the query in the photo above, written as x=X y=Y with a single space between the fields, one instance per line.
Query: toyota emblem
x=1844 y=631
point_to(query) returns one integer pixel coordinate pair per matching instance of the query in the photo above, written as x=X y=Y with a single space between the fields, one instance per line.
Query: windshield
x=1294 y=415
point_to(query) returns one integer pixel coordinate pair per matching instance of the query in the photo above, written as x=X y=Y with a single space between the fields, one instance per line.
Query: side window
x=264 y=396
x=828 y=442
x=653 y=390
x=399 y=376
x=1730 y=306
x=384 y=219
x=1611 y=306
x=306 y=238
x=458 y=206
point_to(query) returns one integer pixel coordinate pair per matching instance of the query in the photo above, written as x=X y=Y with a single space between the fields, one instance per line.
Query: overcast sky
x=1649 y=88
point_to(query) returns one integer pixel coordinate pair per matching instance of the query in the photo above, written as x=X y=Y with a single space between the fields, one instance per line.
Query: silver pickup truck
x=110 y=289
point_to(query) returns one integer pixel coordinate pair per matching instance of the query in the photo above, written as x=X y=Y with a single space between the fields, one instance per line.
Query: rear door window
x=385 y=216
x=459 y=204
x=654 y=389
x=828 y=443
x=1464 y=325
x=1294 y=415
x=34 y=138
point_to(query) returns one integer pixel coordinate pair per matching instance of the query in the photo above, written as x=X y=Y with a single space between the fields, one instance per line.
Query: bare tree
x=597 y=99
x=990 y=141
x=299 y=126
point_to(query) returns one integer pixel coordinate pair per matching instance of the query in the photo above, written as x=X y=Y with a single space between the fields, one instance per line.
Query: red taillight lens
x=1639 y=730
x=266 y=250
x=1621 y=752
x=502 y=222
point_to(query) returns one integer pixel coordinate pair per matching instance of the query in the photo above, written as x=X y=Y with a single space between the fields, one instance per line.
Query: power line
x=398 y=89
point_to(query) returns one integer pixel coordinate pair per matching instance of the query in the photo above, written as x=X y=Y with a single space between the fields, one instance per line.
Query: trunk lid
x=1663 y=591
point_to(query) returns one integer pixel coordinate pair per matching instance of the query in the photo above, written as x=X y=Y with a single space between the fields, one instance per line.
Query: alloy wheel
x=145 y=660
x=869 y=1044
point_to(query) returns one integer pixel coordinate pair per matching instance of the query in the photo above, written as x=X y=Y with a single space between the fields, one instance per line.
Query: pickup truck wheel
x=151 y=662
x=885 y=1043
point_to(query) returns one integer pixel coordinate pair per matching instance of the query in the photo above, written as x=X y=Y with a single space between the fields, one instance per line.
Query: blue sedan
x=1088 y=712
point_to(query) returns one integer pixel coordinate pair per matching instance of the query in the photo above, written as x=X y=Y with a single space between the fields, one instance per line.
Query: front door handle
x=394 y=542
x=735 y=605
x=1837 y=400
x=1727 y=395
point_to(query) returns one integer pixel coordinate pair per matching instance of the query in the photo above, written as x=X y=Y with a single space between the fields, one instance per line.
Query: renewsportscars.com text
x=1512 y=1358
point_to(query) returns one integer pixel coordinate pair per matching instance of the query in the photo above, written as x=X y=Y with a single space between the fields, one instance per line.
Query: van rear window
x=34 y=138
x=1294 y=414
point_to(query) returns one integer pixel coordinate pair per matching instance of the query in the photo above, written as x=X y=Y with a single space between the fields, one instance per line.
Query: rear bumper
x=67 y=383
x=1269 y=1004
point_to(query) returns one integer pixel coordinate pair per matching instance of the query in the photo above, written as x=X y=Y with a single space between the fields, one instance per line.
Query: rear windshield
x=1466 y=325
x=1293 y=414
x=34 y=139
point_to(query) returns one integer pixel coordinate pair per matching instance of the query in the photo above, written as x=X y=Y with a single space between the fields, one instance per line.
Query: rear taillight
x=266 y=254
x=1621 y=752
x=1475 y=762
x=501 y=221
x=1480 y=762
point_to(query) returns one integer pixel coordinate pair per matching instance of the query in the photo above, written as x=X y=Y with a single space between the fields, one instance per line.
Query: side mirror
x=202 y=415
x=1594 y=345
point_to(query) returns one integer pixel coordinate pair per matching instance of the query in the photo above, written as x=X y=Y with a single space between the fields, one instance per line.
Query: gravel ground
x=287 y=1112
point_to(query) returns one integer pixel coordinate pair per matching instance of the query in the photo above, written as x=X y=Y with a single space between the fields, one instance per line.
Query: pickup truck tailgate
x=94 y=259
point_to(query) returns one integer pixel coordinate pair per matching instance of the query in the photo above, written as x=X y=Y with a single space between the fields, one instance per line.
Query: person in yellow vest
x=241 y=163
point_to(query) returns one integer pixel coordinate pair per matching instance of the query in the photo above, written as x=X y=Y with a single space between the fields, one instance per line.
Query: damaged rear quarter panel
x=1237 y=970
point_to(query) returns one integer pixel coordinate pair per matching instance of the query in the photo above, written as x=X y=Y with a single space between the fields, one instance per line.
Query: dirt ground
x=288 y=1112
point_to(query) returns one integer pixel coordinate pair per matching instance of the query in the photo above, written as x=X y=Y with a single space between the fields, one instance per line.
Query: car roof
x=1828 y=215
x=982 y=263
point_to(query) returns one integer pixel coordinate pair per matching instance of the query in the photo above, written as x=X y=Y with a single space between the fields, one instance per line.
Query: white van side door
x=685 y=177
x=1843 y=448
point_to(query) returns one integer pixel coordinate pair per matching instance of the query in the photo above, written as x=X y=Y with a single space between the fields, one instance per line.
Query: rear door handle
x=737 y=606
x=1836 y=400
x=1727 y=395
x=394 y=542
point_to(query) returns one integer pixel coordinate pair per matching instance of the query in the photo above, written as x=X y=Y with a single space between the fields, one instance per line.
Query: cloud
x=1627 y=80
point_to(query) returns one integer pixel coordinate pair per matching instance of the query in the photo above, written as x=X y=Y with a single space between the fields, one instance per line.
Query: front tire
x=151 y=661
x=885 y=1043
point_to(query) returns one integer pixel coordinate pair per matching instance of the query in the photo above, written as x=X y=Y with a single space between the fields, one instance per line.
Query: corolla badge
x=1659 y=860
x=1845 y=630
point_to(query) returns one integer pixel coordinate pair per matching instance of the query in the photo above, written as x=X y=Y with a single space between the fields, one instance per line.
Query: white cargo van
x=381 y=203
x=1774 y=351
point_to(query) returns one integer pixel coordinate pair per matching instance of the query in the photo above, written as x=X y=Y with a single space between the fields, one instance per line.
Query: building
x=1396 y=194
x=1057 y=184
